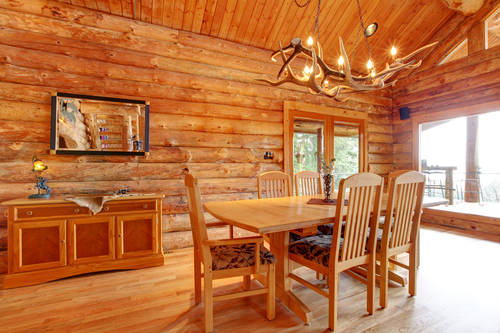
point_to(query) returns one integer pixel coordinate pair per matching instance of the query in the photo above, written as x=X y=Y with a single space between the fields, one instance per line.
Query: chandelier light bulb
x=341 y=60
x=393 y=51
x=310 y=41
x=370 y=64
x=306 y=70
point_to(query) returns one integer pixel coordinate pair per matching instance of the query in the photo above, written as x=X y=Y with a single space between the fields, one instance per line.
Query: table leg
x=279 y=247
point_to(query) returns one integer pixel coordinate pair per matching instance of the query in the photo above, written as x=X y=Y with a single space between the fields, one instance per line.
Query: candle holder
x=41 y=183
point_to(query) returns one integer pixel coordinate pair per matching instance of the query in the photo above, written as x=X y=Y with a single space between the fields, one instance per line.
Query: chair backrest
x=276 y=184
x=198 y=226
x=364 y=194
x=310 y=182
x=404 y=204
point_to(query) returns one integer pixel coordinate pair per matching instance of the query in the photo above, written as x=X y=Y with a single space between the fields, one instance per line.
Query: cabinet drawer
x=135 y=206
x=27 y=213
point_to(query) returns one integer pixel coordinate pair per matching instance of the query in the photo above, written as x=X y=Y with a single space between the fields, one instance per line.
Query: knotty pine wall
x=209 y=116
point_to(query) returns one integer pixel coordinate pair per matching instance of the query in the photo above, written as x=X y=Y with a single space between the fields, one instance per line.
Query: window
x=461 y=51
x=493 y=30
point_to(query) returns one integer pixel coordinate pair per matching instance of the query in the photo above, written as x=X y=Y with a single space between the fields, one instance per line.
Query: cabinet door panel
x=91 y=240
x=39 y=245
x=137 y=235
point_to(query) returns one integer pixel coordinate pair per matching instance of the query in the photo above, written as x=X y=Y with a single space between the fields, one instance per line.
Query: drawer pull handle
x=145 y=206
x=29 y=213
x=77 y=210
x=106 y=208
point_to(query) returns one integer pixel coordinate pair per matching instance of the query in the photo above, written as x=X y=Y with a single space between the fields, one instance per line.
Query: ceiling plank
x=91 y=4
x=218 y=16
x=270 y=11
x=291 y=23
x=306 y=23
x=178 y=14
x=157 y=12
x=281 y=15
x=227 y=18
x=102 y=5
x=167 y=14
x=254 y=21
x=208 y=17
x=235 y=21
x=187 y=21
x=127 y=9
x=115 y=7
x=245 y=20
x=198 y=15
x=146 y=10
x=80 y=3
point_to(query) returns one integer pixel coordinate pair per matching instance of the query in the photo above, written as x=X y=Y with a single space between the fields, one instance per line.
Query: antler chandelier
x=321 y=79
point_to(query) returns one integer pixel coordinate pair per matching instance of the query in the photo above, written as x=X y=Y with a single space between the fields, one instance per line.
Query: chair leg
x=370 y=285
x=197 y=280
x=247 y=281
x=333 y=285
x=412 y=283
x=384 y=282
x=209 y=301
x=271 y=297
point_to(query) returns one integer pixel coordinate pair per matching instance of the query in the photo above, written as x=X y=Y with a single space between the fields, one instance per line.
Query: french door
x=312 y=129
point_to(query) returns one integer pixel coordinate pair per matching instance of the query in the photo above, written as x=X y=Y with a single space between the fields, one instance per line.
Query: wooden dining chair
x=308 y=183
x=225 y=258
x=331 y=254
x=401 y=228
x=275 y=184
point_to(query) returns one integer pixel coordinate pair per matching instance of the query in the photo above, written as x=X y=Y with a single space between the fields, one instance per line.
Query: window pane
x=308 y=138
x=346 y=151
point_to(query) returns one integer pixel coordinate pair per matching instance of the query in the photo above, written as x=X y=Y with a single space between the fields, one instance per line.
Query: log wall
x=466 y=86
x=209 y=116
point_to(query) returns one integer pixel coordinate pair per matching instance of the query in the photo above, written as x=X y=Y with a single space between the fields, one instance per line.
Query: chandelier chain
x=316 y=24
x=362 y=26
x=301 y=6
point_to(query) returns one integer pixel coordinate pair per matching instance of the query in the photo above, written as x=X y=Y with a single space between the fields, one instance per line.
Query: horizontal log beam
x=200 y=139
x=133 y=171
x=24 y=151
x=213 y=125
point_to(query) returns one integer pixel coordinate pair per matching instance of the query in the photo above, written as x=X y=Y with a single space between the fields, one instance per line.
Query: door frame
x=360 y=118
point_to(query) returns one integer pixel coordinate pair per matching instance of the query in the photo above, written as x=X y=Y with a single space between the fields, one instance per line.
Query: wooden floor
x=459 y=291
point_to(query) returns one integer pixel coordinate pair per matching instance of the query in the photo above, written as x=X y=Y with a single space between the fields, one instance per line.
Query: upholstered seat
x=238 y=256
x=314 y=248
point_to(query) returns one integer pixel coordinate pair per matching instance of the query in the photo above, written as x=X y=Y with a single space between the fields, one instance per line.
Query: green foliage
x=346 y=155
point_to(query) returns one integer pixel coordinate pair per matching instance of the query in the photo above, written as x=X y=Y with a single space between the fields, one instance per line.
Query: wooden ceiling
x=407 y=24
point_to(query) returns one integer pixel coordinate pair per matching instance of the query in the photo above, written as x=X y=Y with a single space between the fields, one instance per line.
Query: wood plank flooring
x=458 y=291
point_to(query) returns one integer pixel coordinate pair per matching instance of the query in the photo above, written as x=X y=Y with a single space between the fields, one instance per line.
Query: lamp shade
x=38 y=165
x=371 y=29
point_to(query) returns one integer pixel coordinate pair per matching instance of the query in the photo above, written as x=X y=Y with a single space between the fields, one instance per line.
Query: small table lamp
x=38 y=166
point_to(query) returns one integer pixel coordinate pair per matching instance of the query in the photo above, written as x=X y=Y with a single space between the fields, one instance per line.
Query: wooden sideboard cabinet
x=53 y=238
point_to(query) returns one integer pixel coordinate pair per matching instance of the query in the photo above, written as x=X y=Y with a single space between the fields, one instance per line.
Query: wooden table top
x=282 y=214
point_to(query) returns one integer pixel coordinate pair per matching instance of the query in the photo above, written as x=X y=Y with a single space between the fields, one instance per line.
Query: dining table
x=277 y=217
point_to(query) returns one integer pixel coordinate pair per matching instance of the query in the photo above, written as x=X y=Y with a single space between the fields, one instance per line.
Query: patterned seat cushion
x=238 y=256
x=314 y=248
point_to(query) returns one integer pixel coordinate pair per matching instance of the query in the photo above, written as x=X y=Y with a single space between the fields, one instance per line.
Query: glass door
x=342 y=138
x=347 y=150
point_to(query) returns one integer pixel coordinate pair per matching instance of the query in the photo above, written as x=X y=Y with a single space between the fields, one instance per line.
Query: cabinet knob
x=62 y=241
x=106 y=208
x=144 y=206
x=119 y=235
x=29 y=213
x=77 y=210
